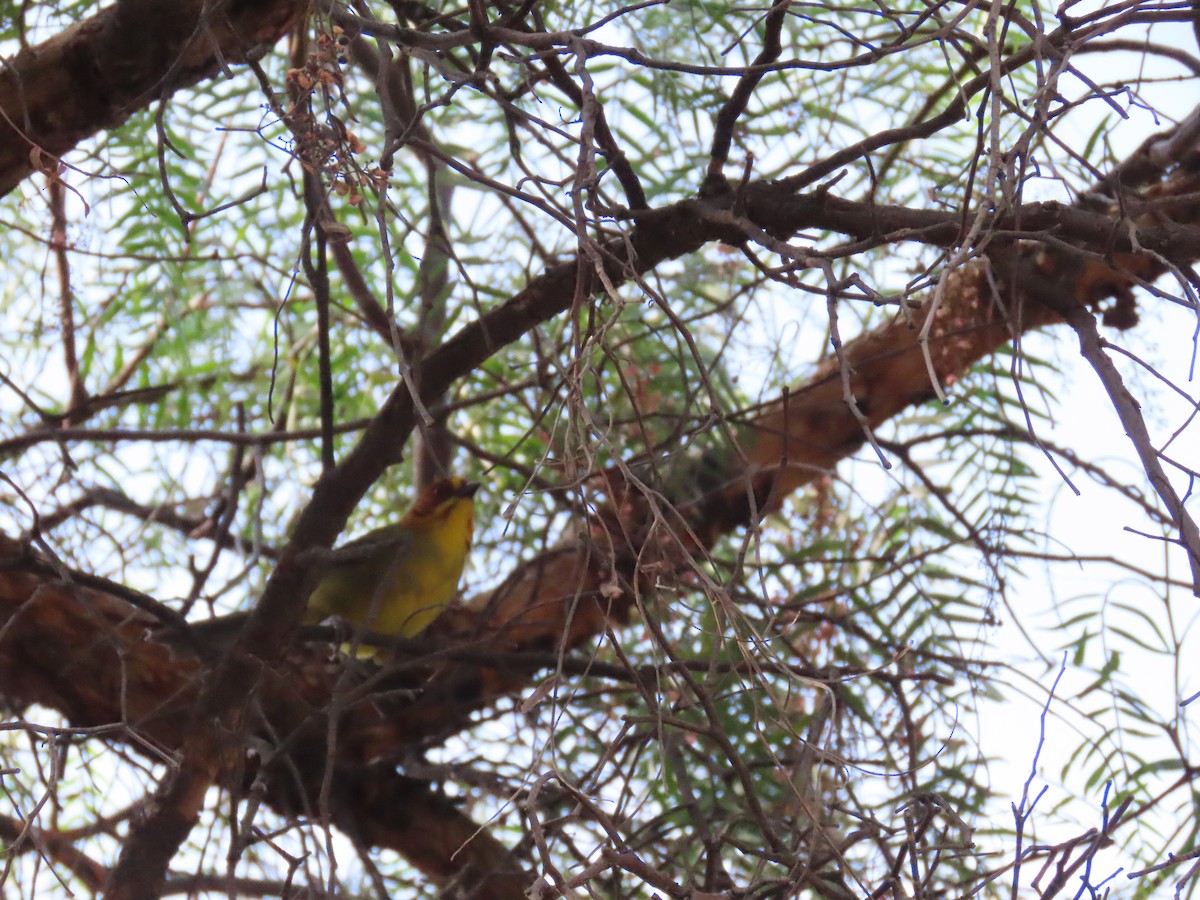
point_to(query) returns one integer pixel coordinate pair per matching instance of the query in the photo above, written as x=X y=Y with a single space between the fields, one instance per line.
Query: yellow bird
x=394 y=580
x=398 y=579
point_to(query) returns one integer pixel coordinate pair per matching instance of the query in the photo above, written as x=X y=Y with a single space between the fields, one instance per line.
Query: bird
x=396 y=580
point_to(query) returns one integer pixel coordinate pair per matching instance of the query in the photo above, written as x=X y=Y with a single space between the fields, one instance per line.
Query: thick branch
x=95 y=74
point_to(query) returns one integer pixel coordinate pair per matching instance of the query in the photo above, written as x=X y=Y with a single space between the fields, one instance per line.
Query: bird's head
x=442 y=500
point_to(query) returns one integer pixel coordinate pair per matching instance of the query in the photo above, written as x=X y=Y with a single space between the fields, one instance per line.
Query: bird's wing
x=396 y=538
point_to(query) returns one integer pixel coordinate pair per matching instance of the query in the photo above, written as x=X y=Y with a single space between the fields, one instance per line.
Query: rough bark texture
x=93 y=75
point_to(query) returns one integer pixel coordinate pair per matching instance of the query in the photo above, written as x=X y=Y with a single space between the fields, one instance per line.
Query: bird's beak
x=468 y=489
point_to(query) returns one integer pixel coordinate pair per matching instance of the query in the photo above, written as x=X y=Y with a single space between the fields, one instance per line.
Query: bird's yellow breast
x=403 y=585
